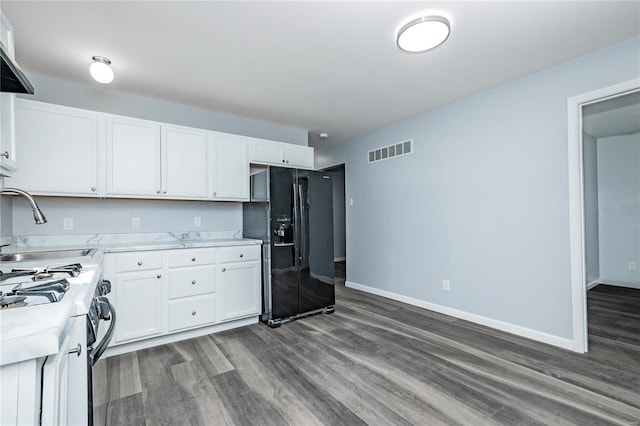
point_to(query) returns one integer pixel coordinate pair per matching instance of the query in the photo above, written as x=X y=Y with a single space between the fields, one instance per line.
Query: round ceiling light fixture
x=423 y=33
x=101 y=70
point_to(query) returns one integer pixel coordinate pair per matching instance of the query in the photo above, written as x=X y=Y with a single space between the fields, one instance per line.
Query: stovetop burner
x=39 y=274
x=8 y=302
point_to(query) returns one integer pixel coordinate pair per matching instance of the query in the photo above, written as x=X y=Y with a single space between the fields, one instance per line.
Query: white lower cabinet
x=138 y=301
x=240 y=289
x=187 y=289
x=192 y=312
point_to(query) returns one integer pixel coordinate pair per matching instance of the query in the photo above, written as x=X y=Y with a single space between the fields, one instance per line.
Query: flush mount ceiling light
x=101 y=70
x=423 y=33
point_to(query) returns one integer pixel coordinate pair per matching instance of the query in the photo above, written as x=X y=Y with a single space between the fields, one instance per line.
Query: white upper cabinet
x=8 y=156
x=229 y=167
x=262 y=151
x=184 y=162
x=57 y=147
x=132 y=157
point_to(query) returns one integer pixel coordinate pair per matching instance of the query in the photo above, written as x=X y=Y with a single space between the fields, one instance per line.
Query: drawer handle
x=193 y=313
x=193 y=282
x=158 y=276
x=77 y=350
x=139 y=263
x=193 y=259
x=241 y=255
x=93 y=189
x=224 y=269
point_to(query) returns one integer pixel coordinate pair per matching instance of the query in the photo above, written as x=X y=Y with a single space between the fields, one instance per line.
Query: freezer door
x=315 y=240
x=284 y=273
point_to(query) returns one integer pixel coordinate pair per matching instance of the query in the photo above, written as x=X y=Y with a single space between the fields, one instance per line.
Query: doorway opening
x=337 y=174
x=592 y=124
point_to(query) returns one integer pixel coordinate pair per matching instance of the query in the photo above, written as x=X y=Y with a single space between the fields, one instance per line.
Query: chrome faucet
x=37 y=213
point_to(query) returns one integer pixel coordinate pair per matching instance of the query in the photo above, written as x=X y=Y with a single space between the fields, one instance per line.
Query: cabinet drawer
x=192 y=281
x=140 y=261
x=190 y=257
x=238 y=254
x=192 y=312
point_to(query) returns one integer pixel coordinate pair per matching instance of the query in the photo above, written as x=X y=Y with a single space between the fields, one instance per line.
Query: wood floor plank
x=380 y=362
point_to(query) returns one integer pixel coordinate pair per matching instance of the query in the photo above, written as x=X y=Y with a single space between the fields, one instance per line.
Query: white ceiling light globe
x=100 y=70
x=423 y=33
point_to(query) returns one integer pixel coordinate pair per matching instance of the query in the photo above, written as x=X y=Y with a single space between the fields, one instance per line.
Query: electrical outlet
x=67 y=223
x=135 y=222
x=197 y=221
x=633 y=266
x=446 y=285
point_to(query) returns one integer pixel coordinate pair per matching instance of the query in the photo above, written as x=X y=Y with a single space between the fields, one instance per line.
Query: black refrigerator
x=291 y=211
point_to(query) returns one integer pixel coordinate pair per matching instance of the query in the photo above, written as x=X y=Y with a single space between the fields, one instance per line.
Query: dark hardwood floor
x=380 y=362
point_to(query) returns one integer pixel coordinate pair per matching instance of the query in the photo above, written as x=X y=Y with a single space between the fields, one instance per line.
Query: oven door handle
x=102 y=346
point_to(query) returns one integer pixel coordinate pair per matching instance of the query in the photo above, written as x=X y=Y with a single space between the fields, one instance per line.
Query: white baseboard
x=593 y=283
x=618 y=283
x=339 y=259
x=550 y=339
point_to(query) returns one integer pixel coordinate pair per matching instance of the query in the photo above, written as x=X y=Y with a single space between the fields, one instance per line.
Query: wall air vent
x=396 y=150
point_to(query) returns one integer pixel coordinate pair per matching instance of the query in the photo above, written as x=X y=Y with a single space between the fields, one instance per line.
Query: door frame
x=576 y=203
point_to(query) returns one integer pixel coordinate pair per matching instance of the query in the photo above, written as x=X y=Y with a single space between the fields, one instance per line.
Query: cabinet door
x=239 y=290
x=8 y=162
x=58 y=148
x=298 y=156
x=133 y=157
x=262 y=151
x=138 y=298
x=229 y=170
x=184 y=153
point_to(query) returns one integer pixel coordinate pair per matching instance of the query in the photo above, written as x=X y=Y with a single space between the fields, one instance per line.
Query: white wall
x=619 y=208
x=339 y=233
x=592 y=244
x=93 y=216
x=483 y=201
x=99 y=98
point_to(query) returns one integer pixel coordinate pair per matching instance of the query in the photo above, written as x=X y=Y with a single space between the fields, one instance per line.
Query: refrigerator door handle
x=301 y=245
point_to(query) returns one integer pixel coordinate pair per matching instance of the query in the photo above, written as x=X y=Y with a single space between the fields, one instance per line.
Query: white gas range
x=49 y=319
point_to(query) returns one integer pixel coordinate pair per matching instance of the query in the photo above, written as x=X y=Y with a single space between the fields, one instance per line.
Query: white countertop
x=37 y=331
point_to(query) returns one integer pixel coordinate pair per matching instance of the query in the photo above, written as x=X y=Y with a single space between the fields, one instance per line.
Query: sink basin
x=45 y=255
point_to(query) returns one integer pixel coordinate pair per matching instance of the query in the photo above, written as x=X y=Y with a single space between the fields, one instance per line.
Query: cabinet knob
x=193 y=313
x=139 y=263
x=5 y=155
x=93 y=189
x=77 y=350
x=193 y=282
x=193 y=259
x=283 y=161
x=224 y=269
x=158 y=276
x=215 y=193
x=157 y=191
x=241 y=255
x=164 y=192
x=287 y=161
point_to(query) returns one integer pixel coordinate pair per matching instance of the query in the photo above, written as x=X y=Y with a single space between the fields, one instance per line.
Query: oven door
x=97 y=380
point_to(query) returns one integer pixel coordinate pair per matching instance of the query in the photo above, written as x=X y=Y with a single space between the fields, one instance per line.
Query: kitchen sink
x=45 y=255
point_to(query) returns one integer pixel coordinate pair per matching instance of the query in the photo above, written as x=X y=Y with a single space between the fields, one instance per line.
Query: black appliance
x=13 y=79
x=291 y=211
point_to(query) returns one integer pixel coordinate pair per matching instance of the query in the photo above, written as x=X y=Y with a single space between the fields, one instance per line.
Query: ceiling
x=323 y=66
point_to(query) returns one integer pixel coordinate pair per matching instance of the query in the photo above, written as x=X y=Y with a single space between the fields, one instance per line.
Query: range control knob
x=104 y=287
x=104 y=311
